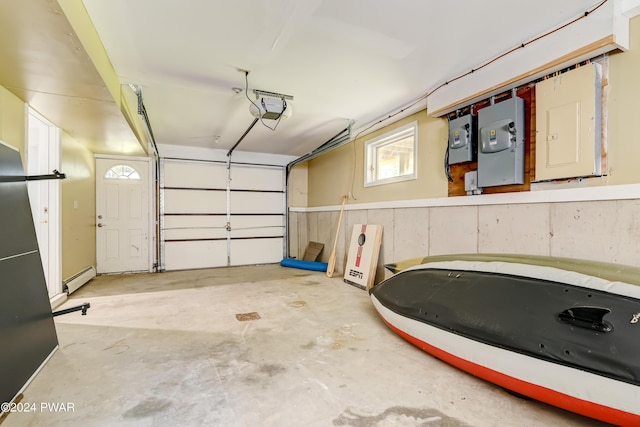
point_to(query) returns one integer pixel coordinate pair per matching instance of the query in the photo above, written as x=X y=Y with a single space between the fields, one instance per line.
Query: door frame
x=53 y=272
x=151 y=196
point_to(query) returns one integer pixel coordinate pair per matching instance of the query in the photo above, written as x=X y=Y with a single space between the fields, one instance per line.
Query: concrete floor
x=168 y=350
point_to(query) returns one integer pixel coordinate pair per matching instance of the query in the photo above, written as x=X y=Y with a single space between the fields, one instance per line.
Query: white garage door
x=209 y=221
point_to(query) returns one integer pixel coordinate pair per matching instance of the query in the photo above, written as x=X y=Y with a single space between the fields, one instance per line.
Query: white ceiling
x=342 y=60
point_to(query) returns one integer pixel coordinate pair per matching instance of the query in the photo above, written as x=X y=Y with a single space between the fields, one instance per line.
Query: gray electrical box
x=462 y=139
x=501 y=143
x=471 y=183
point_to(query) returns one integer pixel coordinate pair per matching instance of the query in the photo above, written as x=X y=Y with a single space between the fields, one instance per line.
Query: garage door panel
x=257 y=226
x=194 y=201
x=256 y=251
x=185 y=174
x=195 y=233
x=201 y=221
x=194 y=214
x=198 y=254
x=180 y=227
x=260 y=203
x=244 y=177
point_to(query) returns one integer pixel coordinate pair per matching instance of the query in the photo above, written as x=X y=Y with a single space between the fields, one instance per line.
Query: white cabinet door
x=569 y=124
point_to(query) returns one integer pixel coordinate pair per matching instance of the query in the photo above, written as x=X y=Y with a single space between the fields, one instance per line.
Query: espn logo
x=355 y=273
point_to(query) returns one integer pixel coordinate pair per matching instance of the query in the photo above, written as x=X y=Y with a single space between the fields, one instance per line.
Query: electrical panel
x=569 y=124
x=462 y=139
x=501 y=144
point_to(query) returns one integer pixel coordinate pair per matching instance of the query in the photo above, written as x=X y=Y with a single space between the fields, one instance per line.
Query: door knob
x=100 y=225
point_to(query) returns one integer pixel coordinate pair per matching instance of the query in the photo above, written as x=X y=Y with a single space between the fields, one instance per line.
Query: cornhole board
x=362 y=258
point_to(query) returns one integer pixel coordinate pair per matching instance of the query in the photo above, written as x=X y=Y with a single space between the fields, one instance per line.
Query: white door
x=43 y=156
x=122 y=215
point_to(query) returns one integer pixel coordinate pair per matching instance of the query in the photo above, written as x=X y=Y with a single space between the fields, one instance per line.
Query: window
x=391 y=157
x=122 y=172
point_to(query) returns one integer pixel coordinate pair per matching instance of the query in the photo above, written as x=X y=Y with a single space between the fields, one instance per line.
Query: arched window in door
x=122 y=172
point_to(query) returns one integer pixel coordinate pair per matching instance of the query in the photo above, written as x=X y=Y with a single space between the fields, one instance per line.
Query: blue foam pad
x=304 y=265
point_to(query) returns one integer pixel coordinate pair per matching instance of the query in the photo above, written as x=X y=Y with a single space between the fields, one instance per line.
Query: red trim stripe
x=543 y=394
x=359 y=255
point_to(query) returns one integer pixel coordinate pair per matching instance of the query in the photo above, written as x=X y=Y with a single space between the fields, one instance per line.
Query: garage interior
x=168 y=350
x=201 y=143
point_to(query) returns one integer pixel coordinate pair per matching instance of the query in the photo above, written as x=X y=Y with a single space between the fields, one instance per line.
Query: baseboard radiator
x=76 y=281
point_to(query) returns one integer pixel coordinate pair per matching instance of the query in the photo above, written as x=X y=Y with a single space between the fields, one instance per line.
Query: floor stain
x=261 y=374
x=117 y=347
x=147 y=408
x=344 y=335
x=272 y=369
x=72 y=344
x=398 y=416
x=297 y=304
x=308 y=346
x=341 y=337
x=247 y=316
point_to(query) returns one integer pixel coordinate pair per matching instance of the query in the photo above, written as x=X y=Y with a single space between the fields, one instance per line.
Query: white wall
x=605 y=229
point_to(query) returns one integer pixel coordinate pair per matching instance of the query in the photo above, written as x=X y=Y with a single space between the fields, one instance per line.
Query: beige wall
x=600 y=230
x=297 y=189
x=12 y=121
x=78 y=231
x=624 y=111
x=330 y=175
x=78 y=207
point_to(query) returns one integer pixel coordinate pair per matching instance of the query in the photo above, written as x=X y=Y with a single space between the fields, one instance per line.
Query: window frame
x=130 y=176
x=371 y=149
